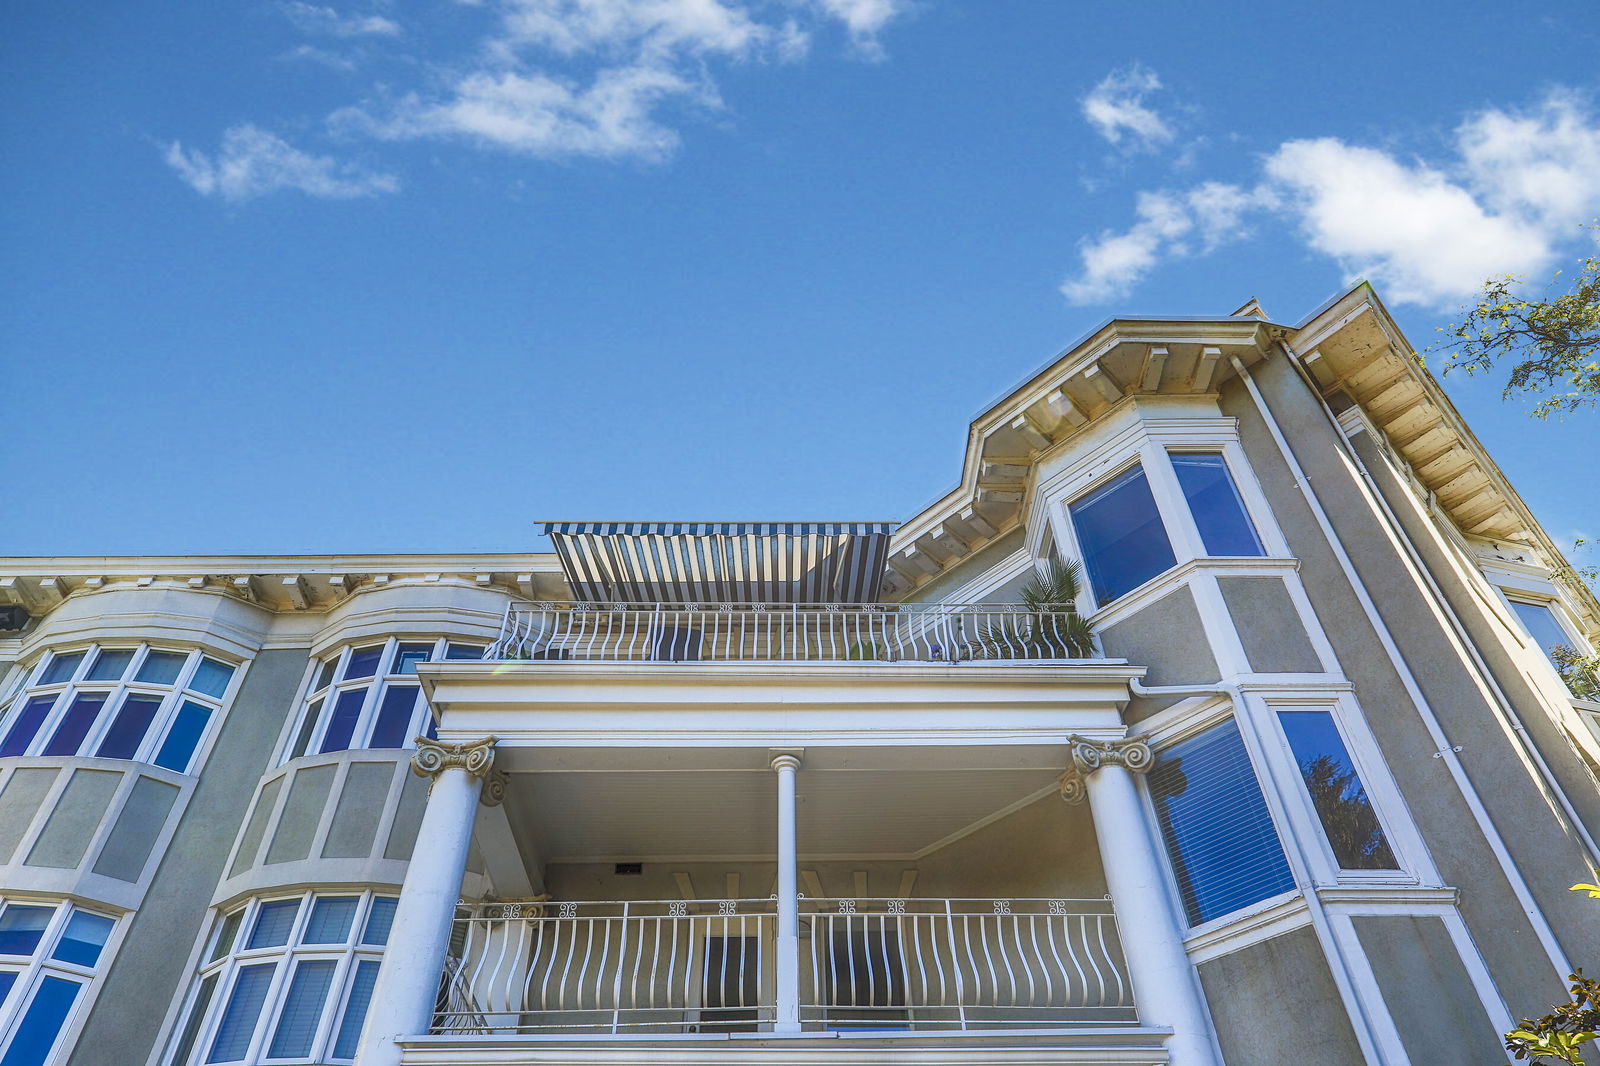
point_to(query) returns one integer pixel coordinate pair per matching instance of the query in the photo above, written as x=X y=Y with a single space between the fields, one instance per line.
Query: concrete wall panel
x=1168 y=638
x=302 y=813
x=1427 y=990
x=19 y=804
x=1276 y=1002
x=1268 y=625
x=353 y=833
x=76 y=817
x=138 y=827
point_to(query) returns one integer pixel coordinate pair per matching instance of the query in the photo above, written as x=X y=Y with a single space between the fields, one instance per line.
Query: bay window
x=1348 y=819
x=1120 y=535
x=49 y=954
x=1215 y=504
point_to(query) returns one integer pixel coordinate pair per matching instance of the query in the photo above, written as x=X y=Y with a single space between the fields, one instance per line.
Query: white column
x=1166 y=988
x=787 y=1019
x=408 y=982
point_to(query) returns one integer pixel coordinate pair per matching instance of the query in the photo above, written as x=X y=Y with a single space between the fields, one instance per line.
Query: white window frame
x=325 y=696
x=285 y=958
x=172 y=697
x=32 y=970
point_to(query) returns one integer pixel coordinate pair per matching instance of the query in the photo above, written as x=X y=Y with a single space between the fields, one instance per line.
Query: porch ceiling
x=659 y=815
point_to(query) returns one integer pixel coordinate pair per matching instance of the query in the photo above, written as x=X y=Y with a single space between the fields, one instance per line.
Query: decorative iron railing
x=662 y=632
x=710 y=966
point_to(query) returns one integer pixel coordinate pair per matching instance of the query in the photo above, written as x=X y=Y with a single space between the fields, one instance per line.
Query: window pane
x=394 y=717
x=330 y=920
x=40 y=1027
x=1216 y=825
x=85 y=935
x=379 y=921
x=1541 y=625
x=302 y=1009
x=161 y=667
x=409 y=655
x=21 y=927
x=75 y=724
x=211 y=677
x=110 y=664
x=61 y=668
x=307 y=726
x=273 y=922
x=127 y=730
x=184 y=736
x=1336 y=792
x=325 y=675
x=343 y=722
x=463 y=651
x=355 y=1011
x=363 y=662
x=229 y=930
x=7 y=979
x=191 y=1028
x=1120 y=532
x=1214 y=501
x=239 y=1019
x=27 y=725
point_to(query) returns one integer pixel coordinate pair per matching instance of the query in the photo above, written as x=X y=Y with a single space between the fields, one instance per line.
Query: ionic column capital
x=433 y=757
x=1087 y=756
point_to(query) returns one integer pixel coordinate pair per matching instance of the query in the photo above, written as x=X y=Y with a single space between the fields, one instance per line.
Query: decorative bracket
x=476 y=757
x=1132 y=753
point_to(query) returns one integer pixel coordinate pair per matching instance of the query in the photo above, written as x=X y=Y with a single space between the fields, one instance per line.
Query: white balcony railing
x=709 y=966
x=782 y=632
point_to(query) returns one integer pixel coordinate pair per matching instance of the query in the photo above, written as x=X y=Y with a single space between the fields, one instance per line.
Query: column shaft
x=787 y=1018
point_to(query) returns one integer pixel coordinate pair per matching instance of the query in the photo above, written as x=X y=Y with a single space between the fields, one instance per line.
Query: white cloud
x=1518 y=188
x=650 y=27
x=1116 y=108
x=865 y=19
x=252 y=162
x=312 y=18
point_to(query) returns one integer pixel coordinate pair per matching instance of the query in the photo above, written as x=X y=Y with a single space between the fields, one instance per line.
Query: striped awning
x=723 y=562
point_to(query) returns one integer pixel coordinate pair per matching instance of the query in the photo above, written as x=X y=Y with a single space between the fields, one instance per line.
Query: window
x=1578 y=671
x=48 y=956
x=367 y=696
x=118 y=702
x=287 y=980
x=1120 y=535
x=1216 y=505
x=1340 y=800
x=1214 y=820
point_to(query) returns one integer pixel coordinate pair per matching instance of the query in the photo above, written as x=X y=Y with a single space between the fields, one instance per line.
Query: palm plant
x=1052 y=628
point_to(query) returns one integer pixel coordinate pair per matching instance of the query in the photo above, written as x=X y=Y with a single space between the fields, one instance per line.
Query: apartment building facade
x=837 y=793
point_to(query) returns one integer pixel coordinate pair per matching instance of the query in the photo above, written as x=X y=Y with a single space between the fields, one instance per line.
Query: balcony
x=708 y=967
x=783 y=632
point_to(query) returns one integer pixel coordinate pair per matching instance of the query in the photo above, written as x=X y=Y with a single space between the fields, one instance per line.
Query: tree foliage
x=1053 y=628
x=1554 y=342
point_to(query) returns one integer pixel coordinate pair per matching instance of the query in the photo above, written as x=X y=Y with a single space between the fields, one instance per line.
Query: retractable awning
x=723 y=562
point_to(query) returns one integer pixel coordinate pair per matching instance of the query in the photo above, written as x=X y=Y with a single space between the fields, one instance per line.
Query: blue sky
x=385 y=275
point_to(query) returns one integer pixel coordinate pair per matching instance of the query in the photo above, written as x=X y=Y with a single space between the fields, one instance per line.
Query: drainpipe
x=1553 y=792
x=1315 y=908
x=1444 y=750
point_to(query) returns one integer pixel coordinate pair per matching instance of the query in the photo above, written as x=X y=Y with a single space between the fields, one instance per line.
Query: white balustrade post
x=413 y=962
x=1166 y=988
x=787 y=1018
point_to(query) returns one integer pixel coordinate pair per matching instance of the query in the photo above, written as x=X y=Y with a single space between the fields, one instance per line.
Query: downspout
x=1572 y=824
x=1315 y=908
x=1444 y=750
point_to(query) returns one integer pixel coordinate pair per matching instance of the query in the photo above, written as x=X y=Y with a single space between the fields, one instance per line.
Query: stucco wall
x=1275 y=1002
x=1427 y=990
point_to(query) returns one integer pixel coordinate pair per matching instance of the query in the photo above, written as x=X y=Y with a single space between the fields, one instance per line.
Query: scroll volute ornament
x=476 y=757
x=1087 y=756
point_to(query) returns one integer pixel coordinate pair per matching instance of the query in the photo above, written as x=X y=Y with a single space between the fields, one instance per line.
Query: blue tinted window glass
x=1215 y=822
x=379 y=921
x=191 y=1028
x=211 y=677
x=355 y=1011
x=1541 y=625
x=273 y=922
x=184 y=736
x=85 y=935
x=21 y=927
x=75 y=724
x=161 y=667
x=40 y=1027
x=128 y=727
x=330 y=920
x=27 y=725
x=302 y=1009
x=342 y=724
x=7 y=979
x=1336 y=792
x=1120 y=533
x=363 y=662
x=61 y=668
x=239 y=1019
x=308 y=725
x=409 y=655
x=463 y=651
x=110 y=664
x=1215 y=503
x=394 y=717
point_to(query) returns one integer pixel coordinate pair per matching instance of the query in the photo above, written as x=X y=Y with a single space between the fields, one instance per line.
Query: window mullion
x=1171 y=503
